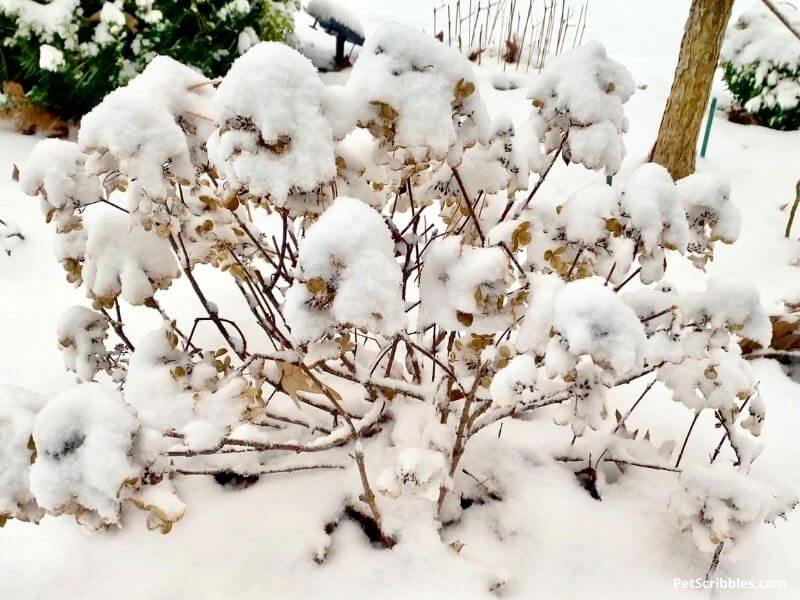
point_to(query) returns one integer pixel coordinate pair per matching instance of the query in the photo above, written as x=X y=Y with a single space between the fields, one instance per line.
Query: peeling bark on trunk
x=676 y=145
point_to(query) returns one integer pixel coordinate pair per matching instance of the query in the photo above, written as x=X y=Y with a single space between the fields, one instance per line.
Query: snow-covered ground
x=547 y=537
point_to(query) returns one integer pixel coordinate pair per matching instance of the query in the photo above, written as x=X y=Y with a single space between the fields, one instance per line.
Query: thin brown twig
x=686 y=439
x=774 y=9
x=470 y=208
x=538 y=184
x=259 y=473
x=622 y=461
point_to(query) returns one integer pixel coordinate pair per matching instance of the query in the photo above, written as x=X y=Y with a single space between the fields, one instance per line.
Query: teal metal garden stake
x=710 y=120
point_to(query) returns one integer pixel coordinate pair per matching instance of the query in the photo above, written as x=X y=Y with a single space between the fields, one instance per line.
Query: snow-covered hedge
x=68 y=54
x=761 y=63
x=404 y=293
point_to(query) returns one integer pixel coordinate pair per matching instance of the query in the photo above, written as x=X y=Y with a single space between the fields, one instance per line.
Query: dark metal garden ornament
x=340 y=23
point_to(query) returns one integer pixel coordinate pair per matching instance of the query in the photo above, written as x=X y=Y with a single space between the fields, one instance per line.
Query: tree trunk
x=676 y=145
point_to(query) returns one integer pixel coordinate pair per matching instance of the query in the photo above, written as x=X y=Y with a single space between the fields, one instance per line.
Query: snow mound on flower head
x=161 y=401
x=595 y=321
x=419 y=77
x=580 y=94
x=422 y=471
x=83 y=443
x=730 y=303
x=534 y=331
x=655 y=208
x=515 y=382
x=347 y=273
x=137 y=130
x=81 y=334
x=125 y=260
x=717 y=381
x=18 y=409
x=709 y=211
x=463 y=287
x=272 y=139
x=718 y=504
x=499 y=165
x=202 y=435
x=55 y=170
x=585 y=213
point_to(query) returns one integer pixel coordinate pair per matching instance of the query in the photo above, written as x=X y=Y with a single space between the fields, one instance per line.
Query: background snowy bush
x=68 y=54
x=761 y=65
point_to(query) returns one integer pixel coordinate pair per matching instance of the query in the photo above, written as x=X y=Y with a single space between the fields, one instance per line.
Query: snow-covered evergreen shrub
x=68 y=54
x=761 y=65
x=403 y=292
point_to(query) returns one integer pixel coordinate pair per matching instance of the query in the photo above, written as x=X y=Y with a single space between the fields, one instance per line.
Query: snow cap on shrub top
x=272 y=138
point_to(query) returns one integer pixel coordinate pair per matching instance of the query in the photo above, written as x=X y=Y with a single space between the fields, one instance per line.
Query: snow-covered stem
x=621 y=422
x=213 y=316
x=537 y=185
x=493 y=416
x=727 y=424
x=260 y=472
x=368 y=496
x=793 y=210
x=469 y=205
x=383 y=384
x=686 y=439
x=462 y=432
x=118 y=325
x=622 y=461
x=712 y=568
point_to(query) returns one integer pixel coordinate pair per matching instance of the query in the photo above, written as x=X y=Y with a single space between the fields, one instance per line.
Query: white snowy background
x=548 y=537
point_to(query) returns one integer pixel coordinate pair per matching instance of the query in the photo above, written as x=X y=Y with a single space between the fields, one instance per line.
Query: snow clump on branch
x=578 y=98
x=416 y=97
x=84 y=441
x=347 y=274
x=18 y=410
x=272 y=138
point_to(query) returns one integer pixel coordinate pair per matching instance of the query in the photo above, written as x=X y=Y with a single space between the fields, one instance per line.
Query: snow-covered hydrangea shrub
x=68 y=54
x=761 y=65
x=402 y=292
